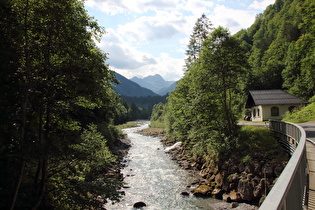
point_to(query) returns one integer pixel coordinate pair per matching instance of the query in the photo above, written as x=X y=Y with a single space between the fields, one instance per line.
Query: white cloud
x=122 y=54
x=261 y=5
x=150 y=25
x=232 y=19
x=150 y=28
x=197 y=7
x=163 y=25
x=128 y=61
x=139 y=6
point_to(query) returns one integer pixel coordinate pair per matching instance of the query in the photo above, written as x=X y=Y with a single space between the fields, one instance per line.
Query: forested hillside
x=57 y=108
x=281 y=48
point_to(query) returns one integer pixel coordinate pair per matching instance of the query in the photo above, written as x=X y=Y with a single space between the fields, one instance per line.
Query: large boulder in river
x=202 y=190
x=176 y=146
x=139 y=204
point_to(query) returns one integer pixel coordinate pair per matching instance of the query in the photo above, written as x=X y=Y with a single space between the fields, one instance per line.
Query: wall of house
x=264 y=112
x=257 y=113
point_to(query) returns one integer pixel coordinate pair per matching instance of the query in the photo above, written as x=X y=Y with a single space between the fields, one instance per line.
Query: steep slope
x=165 y=91
x=130 y=88
x=281 y=48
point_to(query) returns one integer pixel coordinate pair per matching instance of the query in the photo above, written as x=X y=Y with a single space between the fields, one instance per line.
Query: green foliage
x=258 y=143
x=280 y=45
x=247 y=159
x=201 y=30
x=81 y=184
x=127 y=125
x=142 y=106
x=303 y=115
x=256 y=138
x=54 y=83
x=312 y=100
x=157 y=119
x=202 y=110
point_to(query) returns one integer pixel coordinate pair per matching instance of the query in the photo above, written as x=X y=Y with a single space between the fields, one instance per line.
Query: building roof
x=271 y=97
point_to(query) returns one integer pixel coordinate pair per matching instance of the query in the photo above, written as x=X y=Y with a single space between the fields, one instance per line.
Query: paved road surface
x=258 y=124
x=309 y=128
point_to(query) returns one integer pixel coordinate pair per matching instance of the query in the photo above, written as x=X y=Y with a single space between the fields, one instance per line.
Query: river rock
x=260 y=189
x=185 y=193
x=232 y=186
x=267 y=171
x=241 y=167
x=245 y=189
x=234 y=205
x=217 y=193
x=257 y=168
x=233 y=168
x=175 y=146
x=226 y=197
x=202 y=190
x=249 y=169
x=139 y=204
x=235 y=196
x=219 y=178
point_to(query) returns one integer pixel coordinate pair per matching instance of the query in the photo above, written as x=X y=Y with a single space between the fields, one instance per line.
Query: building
x=271 y=104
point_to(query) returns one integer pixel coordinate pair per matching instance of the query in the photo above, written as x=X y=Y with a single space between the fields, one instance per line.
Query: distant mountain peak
x=130 y=88
x=156 y=83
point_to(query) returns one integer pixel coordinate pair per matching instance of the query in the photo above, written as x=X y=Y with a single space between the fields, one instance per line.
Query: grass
x=258 y=141
x=127 y=125
x=306 y=114
x=153 y=131
x=256 y=138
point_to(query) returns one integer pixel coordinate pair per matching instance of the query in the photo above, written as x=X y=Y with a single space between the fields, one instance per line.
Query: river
x=153 y=178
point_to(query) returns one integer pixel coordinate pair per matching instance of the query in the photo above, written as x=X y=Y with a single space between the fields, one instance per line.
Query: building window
x=274 y=111
x=258 y=112
x=254 y=112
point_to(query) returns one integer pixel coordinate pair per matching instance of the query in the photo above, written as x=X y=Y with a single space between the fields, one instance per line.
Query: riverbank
x=241 y=183
x=120 y=149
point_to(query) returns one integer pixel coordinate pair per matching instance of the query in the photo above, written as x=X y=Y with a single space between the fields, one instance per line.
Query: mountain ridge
x=130 y=88
x=156 y=83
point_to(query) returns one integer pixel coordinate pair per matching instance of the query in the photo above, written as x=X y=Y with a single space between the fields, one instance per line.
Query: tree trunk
x=17 y=184
x=42 y=187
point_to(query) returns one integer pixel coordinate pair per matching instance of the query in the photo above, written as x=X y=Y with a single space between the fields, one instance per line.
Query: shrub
x=298 y=116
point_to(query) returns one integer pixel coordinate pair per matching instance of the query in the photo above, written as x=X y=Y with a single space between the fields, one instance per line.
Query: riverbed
x=152 y=177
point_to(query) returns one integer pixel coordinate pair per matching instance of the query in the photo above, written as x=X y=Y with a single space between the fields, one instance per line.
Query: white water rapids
x=153 y=178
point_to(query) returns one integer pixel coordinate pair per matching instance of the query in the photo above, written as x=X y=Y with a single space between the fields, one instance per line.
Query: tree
x=52 y=70
x=205 y=105
x=201 y=30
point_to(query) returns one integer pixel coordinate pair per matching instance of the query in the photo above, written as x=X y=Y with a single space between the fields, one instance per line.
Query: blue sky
x=147 y=37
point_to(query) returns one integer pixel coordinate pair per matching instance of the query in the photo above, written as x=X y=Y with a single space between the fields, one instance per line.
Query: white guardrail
x=291 y=187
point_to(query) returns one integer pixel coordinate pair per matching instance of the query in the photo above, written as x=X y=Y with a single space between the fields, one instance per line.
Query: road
x=309 y=128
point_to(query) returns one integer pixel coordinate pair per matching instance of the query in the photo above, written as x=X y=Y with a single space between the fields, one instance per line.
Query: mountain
x=130 y=88
x=165 y=91
x=156 y=83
